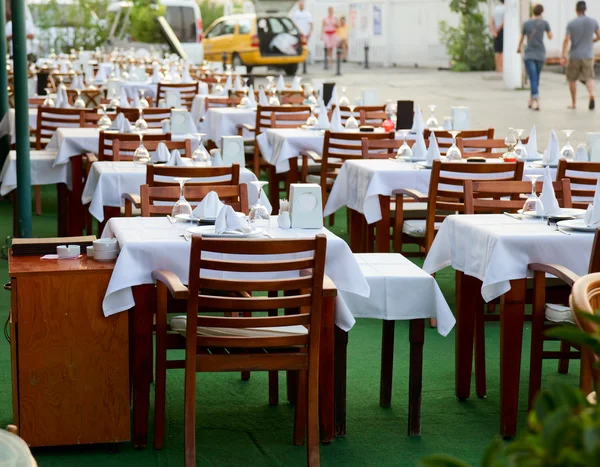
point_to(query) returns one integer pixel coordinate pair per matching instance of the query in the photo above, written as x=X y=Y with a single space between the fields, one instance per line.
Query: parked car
x=256 y=40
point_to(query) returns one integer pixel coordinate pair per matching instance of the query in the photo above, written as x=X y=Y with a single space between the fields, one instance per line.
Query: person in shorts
x=497 y=30
x=582 y=32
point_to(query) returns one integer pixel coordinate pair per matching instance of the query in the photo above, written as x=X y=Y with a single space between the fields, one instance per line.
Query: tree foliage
x=143 y=25
x=469 y=45
x=210 y=12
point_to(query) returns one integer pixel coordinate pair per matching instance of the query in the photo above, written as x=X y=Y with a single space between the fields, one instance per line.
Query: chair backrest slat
x=583 y=176
x=227 y=175
x=122 y=150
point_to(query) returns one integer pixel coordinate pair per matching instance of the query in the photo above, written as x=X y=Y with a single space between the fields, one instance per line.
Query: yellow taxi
x=256 y=40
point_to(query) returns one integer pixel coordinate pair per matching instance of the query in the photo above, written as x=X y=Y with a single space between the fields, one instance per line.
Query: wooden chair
x=231 y=101
x=583 y=176
x=466 y=135
x=234 y=195
x=482 y=147
x=107 y=139
x=547 y=315
x=584 y=299
x=446 y=196
x=153 y=115
x=365 y=114
x=232 y=343
x=123 y=150
x=50 y=118
x=187 y=91
x=289 y=97
x=91 y=97
x=92 y=118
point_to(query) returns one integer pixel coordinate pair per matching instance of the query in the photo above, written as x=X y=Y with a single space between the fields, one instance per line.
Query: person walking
x=304 y=21
x=497 y=30
x=582 y=32
x=342 y=34
x=535 y=51
x=328 y=33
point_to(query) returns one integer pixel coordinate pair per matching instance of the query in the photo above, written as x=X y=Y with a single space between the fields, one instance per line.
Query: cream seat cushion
x=559 y=313
x=178 y=323
x=416 y=227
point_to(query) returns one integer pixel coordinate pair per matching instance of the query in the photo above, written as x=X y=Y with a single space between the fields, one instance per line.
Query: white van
x=182 y=15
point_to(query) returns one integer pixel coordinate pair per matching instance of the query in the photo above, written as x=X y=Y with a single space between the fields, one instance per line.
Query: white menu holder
x=180 y=121
x=593 y=144
x=461 y=119
x=112 y=88
x=369 y=97
x=241 y=70
x=306 y=206
x=232 y=150
x=173 y=99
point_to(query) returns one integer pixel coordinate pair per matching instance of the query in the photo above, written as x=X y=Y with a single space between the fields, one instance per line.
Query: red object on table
x=388 y=125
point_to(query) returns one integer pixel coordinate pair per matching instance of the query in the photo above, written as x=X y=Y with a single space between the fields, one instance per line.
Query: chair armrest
x=416 y=195
x=312 y=154
x=564 y=274
x=172 y=282
x=90 y=157
x=133 y=198
x=247 y=127
x=329 y=288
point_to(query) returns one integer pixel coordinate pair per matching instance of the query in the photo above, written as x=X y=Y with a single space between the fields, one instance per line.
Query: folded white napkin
x=419 y=149
x=581 y=154
x=418 y=122
x=551 y=154
x=117 y=71
x=75 y=83
x=548 y=197
x=237 y=86
x=175 y=160
x=209 y=207
x=336 y=120
x=532 y=150
x=334 y=98
x=173 y=75
x=121 y=124
x=215 y=155
x=62 y=101
x=161 y=154
x=433 y=152
x=63 y=67
x=136 y=99
x=296 y=83
x=280 y=83
x=101 y=75
x=228 y=84
x=186 y=77
x=203 y=89
x=262 y=97
x=228 y=221
x=156 y=74
x=323 y=120
x=123 y=101
x=252 y=96
x=89 y=75
x=592 y=215
x=132 y=71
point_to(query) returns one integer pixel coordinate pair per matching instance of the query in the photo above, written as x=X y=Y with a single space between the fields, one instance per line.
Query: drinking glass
x=218 y=90
x=79 y=103
x=312 y=99
x=344 y=101
x=567 y=152
x=453 y=154
x=351 y=122
x=182 y=211
x=533 y=205
x=140 y=124
x=312 y=120
x=511 y=142
x=48 y=102
x=404 y=152
x=141 y=156
x=520 y=148
x=143 y=101
x=105 y=122
x=432 y=122
x=259 y=214
x=245 y=79
x=245 y=100
x=200 y=156
x=273 y=99
x=271 y=82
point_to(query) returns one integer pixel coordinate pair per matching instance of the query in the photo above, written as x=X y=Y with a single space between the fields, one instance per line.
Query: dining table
x=7 y=124
x=490 y=254
x=226 y=121
x=148 y=244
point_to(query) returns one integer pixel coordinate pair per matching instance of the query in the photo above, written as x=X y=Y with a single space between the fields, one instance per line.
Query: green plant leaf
x=588 y=316
x=492 y=452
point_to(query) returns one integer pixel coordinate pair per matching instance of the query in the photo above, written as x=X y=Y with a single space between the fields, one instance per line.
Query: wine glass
x=271 y=82
x=245 y=80
x=520 y=148
x=567 y=152
x=48 y=102
x=432 y=122
x=344 y=101
x=245 y=100
x=511 y=142
x=143 y=101
x=182 y=210
x=351 y=122
x=218 y=90
x=259 y=214
x=273 y=99
x=104 y=122
x=312 y=99
x=404 y=152
x=200 y=156
x=79 y=103
x=141 y=125
x=312 y=120
x=141 y=156
x=453 y=154
x=533 y=205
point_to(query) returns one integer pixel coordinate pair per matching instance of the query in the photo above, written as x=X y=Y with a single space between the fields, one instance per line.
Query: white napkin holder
x=461 y=119
x=180 y=121
x=369 y=97
x=173 y=99
x=306 y=206
x=232 y=150
x=593 y=143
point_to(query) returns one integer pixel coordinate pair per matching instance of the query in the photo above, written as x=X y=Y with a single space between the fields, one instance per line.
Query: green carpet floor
x=237 y=427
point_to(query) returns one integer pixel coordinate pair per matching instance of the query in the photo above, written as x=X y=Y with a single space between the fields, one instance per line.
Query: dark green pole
x=4 y=142
x=19 y=39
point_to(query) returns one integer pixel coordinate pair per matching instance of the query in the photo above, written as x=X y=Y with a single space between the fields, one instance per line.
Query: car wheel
x=291 y=70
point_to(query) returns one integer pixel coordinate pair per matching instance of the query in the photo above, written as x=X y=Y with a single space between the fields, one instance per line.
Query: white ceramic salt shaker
x=284 y=221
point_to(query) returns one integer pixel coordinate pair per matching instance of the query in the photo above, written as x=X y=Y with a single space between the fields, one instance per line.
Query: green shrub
x=143 y=25
x=210 y=12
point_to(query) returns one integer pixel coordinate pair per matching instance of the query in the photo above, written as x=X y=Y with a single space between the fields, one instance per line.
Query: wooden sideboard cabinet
x=70 y=364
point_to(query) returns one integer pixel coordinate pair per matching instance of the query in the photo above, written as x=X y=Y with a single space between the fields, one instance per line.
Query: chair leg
x=161 y=366
x=537 y=335
x=273 y=375
x=387 y=363
x=332 y=219
x=312 y=417
x=563 y=363
x=38 y=200
x=300 y=413
x=480 y=373
x=189 y=440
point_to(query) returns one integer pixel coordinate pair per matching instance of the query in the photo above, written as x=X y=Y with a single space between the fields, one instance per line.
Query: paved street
x=490 y=104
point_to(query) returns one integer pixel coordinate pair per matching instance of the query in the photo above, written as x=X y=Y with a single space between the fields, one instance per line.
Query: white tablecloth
x=496 y=249
x=149 y=88
x=42 y=171
x=360 y=182
x=279 y=145
x=400 y=290
x=224 y=121
x=149 y=244
x=7 y=125
x=108 y=180
x=198 y=109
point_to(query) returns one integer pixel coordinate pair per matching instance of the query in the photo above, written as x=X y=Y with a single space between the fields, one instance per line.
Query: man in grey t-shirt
x=582 y=32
